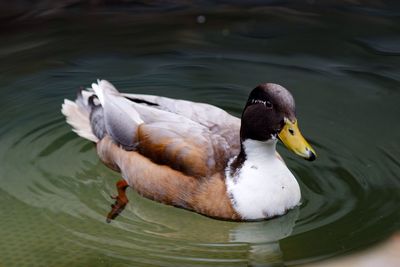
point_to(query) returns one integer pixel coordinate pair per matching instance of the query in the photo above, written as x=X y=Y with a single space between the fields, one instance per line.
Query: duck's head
x=269 y=114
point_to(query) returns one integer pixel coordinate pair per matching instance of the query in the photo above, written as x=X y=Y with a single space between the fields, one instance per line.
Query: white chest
x=263 y=187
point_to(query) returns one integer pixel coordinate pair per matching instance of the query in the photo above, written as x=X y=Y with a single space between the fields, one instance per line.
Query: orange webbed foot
x=120 y=200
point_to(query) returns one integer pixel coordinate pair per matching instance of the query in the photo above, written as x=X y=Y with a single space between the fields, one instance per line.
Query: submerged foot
x=120 y=200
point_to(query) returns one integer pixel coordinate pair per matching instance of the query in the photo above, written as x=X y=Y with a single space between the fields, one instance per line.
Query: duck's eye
x=267 y=103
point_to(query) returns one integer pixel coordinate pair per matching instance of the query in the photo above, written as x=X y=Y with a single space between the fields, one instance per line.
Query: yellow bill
x=294 y=141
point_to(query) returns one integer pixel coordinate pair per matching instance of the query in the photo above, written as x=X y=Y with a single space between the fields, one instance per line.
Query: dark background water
x=339 y=59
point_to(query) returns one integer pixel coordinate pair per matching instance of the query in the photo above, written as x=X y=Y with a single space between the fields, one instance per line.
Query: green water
x=342 y=67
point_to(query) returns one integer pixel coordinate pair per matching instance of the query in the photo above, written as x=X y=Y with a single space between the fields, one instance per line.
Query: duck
x=192 y=155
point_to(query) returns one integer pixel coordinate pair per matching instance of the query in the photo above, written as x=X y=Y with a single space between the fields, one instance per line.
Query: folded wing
x=197 y=139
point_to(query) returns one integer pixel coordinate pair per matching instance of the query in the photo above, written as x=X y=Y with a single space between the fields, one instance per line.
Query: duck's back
x=193 y=138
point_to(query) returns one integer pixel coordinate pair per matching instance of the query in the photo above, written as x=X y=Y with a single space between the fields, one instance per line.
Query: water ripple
x=56 y=193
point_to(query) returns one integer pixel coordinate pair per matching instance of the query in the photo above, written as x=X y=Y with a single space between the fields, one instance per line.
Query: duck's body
x=190 y=155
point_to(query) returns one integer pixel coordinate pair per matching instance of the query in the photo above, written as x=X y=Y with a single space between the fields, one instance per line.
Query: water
x=342 y=67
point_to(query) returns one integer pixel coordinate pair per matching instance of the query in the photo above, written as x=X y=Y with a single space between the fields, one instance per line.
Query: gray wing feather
x=121 y=118
x=97 y=122
x=217 y=120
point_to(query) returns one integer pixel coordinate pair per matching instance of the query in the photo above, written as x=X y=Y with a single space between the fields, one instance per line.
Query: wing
x=217 y=120
x=189 y=148
x=182 y=142
x=197 y=139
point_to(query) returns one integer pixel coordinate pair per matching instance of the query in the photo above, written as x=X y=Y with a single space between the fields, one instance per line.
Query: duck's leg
x=120 y=200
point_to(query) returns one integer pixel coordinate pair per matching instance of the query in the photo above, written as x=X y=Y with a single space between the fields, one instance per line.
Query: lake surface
x=342 y=66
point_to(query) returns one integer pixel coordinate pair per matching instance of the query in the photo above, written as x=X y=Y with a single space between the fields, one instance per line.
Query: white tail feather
x=78 y=119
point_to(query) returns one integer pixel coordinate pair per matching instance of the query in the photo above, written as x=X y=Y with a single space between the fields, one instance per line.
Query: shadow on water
x=339 y=60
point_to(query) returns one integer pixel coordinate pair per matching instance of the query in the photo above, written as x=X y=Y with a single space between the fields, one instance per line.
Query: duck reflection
x=260 y=239
x=264 y=236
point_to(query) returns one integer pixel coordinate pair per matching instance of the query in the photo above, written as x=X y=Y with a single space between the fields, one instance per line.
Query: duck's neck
x=252 y=151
